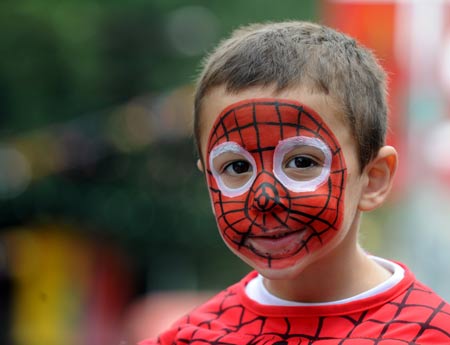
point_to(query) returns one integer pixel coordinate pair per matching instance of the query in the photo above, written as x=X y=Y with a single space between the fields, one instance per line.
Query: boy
x=290 y=122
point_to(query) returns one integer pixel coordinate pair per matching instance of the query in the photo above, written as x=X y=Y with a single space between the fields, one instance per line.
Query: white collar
x=256 y=290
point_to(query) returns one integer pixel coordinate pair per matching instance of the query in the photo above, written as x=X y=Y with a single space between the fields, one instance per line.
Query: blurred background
x=106 y=233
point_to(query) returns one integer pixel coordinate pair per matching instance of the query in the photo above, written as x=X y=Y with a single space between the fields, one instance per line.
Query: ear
x=200 y=165
x=379 y=178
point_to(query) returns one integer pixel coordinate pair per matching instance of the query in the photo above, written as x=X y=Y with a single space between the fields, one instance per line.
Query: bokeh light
x=15 y=172
x=101 y=204
x=192 y=29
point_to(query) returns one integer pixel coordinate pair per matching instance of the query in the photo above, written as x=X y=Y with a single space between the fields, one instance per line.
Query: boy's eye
x=233 y=168
x=301 y=162
x=303 y=167
x=238 y=167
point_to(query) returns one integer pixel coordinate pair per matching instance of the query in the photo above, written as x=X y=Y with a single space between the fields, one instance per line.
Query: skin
x=280 y=213
x=340 y=269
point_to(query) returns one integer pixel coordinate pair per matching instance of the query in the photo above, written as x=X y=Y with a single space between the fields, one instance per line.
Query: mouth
x=277 y=244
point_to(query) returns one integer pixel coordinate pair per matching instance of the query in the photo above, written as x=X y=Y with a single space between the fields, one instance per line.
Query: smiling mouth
x=277 y=245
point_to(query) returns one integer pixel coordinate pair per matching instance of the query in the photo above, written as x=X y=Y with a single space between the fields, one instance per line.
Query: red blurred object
x=158 y=311
x=373 y=23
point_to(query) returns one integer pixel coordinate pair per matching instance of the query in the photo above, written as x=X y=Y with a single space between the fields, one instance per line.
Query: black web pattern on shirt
x=291 y=218
x=232 y=324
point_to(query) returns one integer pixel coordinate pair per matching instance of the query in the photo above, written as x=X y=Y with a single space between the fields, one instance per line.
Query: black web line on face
x=258 y=143
x=277 y=104
x=312 y=218
x=227 y=213
x=319 y=127
x=336 y=153
x=239 y=130
x=319 y=132
x=225 y=130
x=237 y=221
x=306 y=197
x=237 y=126
x=326 y=205
x=277 y=218
x=314 y=207
x=277 y=108
x=299 y=117
x=338 y=171
x=244 y=236
x=337 y=187
x=230 y=226
x=222 y=216
x=315 y=218
x=232 y=229
x=342 y=181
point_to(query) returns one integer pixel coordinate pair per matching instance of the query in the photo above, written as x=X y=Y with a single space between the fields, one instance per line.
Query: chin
x=287 y=268
x=288 y=273
x=281 y=269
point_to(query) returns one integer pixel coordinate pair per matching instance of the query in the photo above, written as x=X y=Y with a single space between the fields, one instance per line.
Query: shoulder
x=209 y=321
x=420 y=314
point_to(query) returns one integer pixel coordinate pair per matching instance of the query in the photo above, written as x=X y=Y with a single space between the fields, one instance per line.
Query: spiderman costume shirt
x=277 y=176
x=408 y=313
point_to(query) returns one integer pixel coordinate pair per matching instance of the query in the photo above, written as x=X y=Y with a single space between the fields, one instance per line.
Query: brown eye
x=301 y=162
x=233 y=168
x=238 y=167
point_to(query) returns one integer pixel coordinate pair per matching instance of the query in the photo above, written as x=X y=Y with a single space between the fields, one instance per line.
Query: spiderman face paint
x=276 y=176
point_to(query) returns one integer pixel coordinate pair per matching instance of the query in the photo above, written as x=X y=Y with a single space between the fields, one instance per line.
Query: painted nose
x=266 y=197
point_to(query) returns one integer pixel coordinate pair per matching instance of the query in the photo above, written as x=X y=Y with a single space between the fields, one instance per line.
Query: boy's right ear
x=200 y=165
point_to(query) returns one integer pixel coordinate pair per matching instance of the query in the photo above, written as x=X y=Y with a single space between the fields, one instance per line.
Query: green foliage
x=60 y=60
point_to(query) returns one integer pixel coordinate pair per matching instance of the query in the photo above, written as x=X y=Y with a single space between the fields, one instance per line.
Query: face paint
x=276 y=176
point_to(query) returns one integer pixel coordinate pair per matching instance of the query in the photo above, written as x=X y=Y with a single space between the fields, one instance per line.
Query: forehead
x=218 y=100
x=259 y=124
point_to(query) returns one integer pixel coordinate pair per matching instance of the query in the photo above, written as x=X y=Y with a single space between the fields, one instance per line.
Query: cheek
x=273 y=223
x=353 y=194
x=231 y=212
x=316 y=216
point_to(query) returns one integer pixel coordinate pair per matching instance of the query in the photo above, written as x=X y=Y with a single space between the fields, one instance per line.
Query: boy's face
x=277 y=168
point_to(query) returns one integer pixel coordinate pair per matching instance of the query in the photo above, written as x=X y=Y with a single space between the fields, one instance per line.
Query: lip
x=277 y=245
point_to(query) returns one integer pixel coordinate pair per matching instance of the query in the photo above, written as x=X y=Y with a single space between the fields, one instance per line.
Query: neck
x=342 y=273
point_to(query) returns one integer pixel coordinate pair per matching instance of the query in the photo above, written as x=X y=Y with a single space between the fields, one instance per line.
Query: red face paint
x=276 y=176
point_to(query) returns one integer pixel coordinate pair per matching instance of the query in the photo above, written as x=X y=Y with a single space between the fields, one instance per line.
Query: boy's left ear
x=379 y=174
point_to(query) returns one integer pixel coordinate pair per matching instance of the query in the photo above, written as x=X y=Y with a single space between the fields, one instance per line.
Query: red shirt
x=408 y=313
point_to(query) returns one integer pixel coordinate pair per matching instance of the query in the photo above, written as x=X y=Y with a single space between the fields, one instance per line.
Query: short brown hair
x=292 y=54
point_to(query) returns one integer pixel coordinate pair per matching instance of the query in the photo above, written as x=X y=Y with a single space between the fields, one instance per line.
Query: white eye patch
x=234 y=148
x=286 y=146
